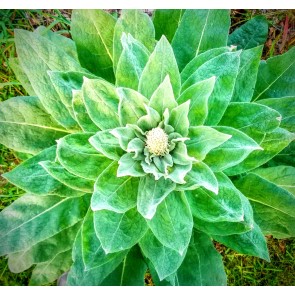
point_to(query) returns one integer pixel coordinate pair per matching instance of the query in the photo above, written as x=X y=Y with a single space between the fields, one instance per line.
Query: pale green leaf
x=114 y=193
x=128 y=166
x=172 y=224
x=161 y=63
x=198 y=94
x=151 y=193
x=124 y=135
x=101 y=101
x=203 y=139
x=131 y=106
x=26 y=127
x=79 y=157
x=131 y=63
x=136 y=23
x=149 y=121
x=22 y=228
x=179 y=118
x=107 y=144
x=118 y=232
x=195 y=33
x=233 y=151
x=92 y=31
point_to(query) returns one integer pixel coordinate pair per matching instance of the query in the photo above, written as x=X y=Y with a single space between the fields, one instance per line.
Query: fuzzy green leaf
x=203 y=139
x=272 y=144
x=276 y=76
x=285 y=106
x=139 y=25
x=149 y=121
x=202 y=265
x=166 y=22
x=131 y=63
x=161 y=63
x=101 y=101
x=252 y=243
x=92 y=31
x=80 y=112
x=165 y=260
x=45 y=218
x=198 y=94
x=172 y=224
x=31 y=177
x=124 y=135
x=128 y=166
x=195 y=34
x=37 y=55
x=272 y=204
x=179 y=118
x=118 y=232
x=225 y=68
x=114 y=193
x=107 y=144
x=25 y=126
x=151 y=193
x=233 y=151
x=131 y=106
x=200 y=175
x=251 y=34
x=59 y=173
x=247 y=75
x=79 y=157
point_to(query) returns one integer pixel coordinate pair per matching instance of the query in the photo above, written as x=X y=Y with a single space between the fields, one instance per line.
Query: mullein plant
x=144 y=140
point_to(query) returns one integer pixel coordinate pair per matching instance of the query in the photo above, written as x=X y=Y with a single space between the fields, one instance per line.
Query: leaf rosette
x=141 y=146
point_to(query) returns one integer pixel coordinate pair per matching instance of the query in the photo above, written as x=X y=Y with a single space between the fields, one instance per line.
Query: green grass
x=242 y=270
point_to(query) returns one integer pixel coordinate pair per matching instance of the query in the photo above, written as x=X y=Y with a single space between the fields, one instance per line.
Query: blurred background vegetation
x=242 y=270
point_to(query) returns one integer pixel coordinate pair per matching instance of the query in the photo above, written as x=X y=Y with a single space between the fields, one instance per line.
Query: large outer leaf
x=49 y=271
x=32 y=177
x=118 y=232
x=251 y=34
x=139 y=25
x=26 y=127
x=224 y=206
x=131 y=63
x=203 y=139
x=273 y=205
x=285 y=106
x=276 y=76
x=195 y=33
x=43 y=251
x=37 y=55
x=250 y=118
x=166 y=22
x=198 y=94
x=93 y=255
x=272 y=144
x=165 y=260
x=79 y=276
x=161 y=63
x=59 y=173
x=233 y=151
x=22 y=228
x=79 y=157
x=151 y=193
x=202 y=265
x=225 y=68
x=92 y=31
x=246 y=79
x=21 y=75
x=131 y=272
x=172 y=224
x=114 y=193
x=101 y=101
x=252 y=242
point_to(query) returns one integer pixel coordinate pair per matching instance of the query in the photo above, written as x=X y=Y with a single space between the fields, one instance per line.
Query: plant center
x=157 y=142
